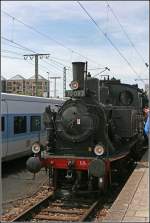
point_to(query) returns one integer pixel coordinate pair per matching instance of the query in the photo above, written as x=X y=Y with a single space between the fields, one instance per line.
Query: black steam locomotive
x=101 y=122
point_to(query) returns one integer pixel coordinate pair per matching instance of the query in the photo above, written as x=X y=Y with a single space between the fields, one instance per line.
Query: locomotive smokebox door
x=97 y=168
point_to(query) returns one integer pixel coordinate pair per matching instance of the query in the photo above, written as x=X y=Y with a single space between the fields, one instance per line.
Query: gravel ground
x=14 y=208
x=19 y=184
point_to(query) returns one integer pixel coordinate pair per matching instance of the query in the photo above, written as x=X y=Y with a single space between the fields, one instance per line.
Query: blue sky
x=67 y=23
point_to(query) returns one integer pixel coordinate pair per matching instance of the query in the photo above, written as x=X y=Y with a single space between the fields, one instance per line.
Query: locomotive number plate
x=77 y=93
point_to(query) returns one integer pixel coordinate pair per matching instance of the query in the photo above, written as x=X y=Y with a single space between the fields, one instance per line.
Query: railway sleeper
x=63 y=211
x=70 y=205
x=56 y=218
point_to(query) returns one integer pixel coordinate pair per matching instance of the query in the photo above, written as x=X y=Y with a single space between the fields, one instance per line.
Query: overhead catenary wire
x=126 y=34
x=10 y=57
x=18 y=44
x=99 y=68
x=105 y=68
x=9 y=51
x=25 y=48
x=60 y=59
x=42 y=67
x=56 y=67
x=17 y=47
x=13 y=26
x=30 y=26
x=18 y=58
x=16 y=53
x=58 y=63
x=21 y=47
x=49 y=37
x=106 y=36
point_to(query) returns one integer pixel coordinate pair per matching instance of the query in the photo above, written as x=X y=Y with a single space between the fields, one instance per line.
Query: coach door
x=4 y=129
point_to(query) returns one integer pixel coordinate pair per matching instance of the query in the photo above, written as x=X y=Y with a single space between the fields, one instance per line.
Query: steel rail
x=96 y=205
x=42 y=210
x=27 y=213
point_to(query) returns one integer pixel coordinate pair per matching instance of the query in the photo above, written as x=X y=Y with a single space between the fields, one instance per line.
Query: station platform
x=132 y=204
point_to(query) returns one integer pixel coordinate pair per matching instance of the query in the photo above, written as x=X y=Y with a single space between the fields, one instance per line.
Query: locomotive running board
x=110 y=158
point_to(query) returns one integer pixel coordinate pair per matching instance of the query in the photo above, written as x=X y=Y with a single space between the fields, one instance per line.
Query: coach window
x=35 y=123
x=20 y=124
x=2 y=124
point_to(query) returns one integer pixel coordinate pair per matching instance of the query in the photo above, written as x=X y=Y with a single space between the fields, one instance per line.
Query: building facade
x=42 y=86
x=16 y=85
x=19 y=85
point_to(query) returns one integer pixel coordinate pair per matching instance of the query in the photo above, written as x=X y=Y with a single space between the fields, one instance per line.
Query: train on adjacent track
x=101 y=123
x=22 y=123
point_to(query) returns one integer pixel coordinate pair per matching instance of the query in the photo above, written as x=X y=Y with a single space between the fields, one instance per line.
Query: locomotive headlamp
x=36 y=148
x=74 y=85
x=99 y=150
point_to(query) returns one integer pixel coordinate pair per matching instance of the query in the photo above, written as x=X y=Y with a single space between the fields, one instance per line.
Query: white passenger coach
x=21 y=123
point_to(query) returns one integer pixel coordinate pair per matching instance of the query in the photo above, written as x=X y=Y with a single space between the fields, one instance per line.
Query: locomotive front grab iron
x=101 y=123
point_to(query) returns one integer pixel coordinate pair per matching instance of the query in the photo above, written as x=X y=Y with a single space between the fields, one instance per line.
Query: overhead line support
x=36 y=56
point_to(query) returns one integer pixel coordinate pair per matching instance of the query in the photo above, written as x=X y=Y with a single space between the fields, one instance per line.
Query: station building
x=20 y=85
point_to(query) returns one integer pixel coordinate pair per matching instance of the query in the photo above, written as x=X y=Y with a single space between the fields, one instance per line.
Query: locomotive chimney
x=79 y=73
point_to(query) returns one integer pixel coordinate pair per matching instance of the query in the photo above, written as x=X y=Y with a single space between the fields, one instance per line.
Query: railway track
x=65 y=206
x=61 y=208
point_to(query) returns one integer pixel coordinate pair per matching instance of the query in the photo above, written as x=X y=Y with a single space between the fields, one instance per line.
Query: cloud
x=67 y=23
x=58 y=10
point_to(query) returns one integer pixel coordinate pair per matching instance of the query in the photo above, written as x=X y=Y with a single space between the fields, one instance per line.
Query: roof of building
x=40 y=77
x=17 y=77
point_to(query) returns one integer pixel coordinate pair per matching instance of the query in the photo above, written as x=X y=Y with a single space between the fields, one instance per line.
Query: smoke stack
x=78 y=73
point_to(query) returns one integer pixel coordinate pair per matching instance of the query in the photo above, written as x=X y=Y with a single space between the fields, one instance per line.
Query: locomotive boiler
x=100 y=123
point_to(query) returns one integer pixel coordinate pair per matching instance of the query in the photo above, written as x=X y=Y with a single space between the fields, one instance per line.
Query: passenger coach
x=21 y=123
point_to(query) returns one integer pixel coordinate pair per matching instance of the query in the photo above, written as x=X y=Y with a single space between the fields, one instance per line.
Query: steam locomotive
x=101 y=123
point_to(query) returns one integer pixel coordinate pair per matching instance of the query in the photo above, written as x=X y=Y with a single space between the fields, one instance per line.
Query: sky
x=65 y=31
